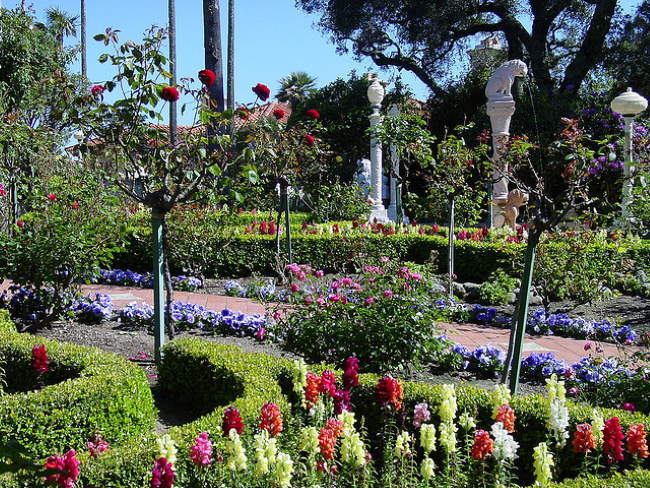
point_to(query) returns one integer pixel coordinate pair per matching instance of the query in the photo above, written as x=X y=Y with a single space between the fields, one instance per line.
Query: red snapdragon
x=40 y=361
x=390 y=392
x=583 y=439
x=67 y=467
x=271 y=419
x=232 y=420
x=613 y=440
x=483 y=445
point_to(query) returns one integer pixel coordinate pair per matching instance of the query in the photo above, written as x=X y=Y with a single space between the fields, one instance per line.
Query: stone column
x=500 y=114
x=504 y=207
x=394 y=174
x=376 y=96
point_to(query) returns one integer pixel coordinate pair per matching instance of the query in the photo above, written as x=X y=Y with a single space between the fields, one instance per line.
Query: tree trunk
x=84 y=59
x=213 y=55
x=172 y=68
x=231 y=55
x=169 y=291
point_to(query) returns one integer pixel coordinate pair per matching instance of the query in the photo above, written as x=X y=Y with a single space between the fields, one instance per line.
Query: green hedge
x=631 y=479
x=244 y=255
x=213 y=376
x=86 y=391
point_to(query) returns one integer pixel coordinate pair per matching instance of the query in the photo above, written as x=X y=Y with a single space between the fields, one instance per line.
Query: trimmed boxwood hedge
x=244 y=255
x=87 y=391
x=213 y=376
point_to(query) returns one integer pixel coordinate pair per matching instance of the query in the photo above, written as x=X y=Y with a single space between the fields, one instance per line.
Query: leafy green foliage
x=96 y=391
x=338 y=201
x=497 y=288
x=386 y=335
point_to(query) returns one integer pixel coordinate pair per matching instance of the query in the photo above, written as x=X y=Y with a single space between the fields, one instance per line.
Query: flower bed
x=144 y=280
x=249 y=393
x=84 y=391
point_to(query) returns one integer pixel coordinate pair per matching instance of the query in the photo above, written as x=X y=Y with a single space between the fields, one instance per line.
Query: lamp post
x=629 y=104
x=376 y=94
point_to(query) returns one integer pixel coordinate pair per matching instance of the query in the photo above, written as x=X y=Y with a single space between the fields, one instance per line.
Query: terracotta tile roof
x=260 y=111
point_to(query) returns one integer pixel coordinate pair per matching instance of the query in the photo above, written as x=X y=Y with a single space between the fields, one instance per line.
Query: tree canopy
x=564 y=42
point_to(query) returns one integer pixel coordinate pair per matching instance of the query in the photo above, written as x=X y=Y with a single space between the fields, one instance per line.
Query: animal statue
x=499 y=86
x=516 y=198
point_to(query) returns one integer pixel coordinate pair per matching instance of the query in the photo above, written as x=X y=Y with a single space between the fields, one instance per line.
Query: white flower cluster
x=505 y=447
x=558 y=412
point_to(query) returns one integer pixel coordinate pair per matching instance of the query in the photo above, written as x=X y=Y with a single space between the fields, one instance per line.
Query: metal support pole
x=521 y=320
x=288 y=224
x=158 y=283
x=450 y=246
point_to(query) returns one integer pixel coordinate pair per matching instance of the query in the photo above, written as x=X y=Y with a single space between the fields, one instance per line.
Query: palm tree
x=84 y=63
x=295 y=88
x=61 y=24
x=231 y=56
x=213 y=52
x=171 y=7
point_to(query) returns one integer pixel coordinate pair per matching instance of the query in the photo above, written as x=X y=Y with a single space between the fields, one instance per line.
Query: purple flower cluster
x=485 y=360
x=593 y=371
x=136 y=315
x=579 y=328
x=30 y=303
x=266 y=291
x=93 y=310
x=541 y=365
x=602 y=163
x=188 y=316
x=144 y=280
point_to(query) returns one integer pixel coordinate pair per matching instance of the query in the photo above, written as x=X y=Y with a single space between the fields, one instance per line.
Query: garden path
x=469 y=335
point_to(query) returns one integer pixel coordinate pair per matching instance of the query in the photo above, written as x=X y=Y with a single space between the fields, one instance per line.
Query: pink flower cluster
x=421 y=414
x=97 y=445
x=201 y=450
x=263 y=228
x=162 y=474
x=67 y=467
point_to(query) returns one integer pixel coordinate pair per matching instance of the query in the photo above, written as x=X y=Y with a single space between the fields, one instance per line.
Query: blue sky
x=273 y=39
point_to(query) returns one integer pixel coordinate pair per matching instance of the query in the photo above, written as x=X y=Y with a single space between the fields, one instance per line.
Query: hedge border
x=244 y=255
x=105 y=393
x=212 y=375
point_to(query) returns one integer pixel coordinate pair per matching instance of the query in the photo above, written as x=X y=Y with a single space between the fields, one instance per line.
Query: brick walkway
x=468 y=335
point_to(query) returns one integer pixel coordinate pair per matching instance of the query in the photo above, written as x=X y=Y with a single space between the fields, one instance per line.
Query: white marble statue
x=363 y=176
x=499 y=86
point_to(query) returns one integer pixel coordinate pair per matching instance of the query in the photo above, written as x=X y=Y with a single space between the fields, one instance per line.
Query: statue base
x=378 y=213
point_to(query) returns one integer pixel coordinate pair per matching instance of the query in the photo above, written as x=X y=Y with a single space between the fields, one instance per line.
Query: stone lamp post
x=629 y=104
x=376 y=94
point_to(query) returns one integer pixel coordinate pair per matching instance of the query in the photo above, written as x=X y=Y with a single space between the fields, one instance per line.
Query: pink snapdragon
x=201 y=450
x=67 y=467
x=162 y=474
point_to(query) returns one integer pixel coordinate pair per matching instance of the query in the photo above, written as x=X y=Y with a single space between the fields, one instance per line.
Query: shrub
x=213 y=376
x=387 y=334
x=338 y=202
x=497 y=289
x=88 y=391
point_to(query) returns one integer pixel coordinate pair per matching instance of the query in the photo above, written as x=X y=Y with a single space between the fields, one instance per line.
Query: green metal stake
x=522 y=316
x=398 y=201
x=288 y=224
x=158 y=284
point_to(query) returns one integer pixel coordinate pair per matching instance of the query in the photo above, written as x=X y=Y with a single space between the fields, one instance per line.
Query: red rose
x=51 y=197
x=313 y=114
x=97 y=90
x=75 y=205
x=20 y=223
x=207 y=77
x=309 y=139
x=169 y=94
x=278 y=113
x=262 y=91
